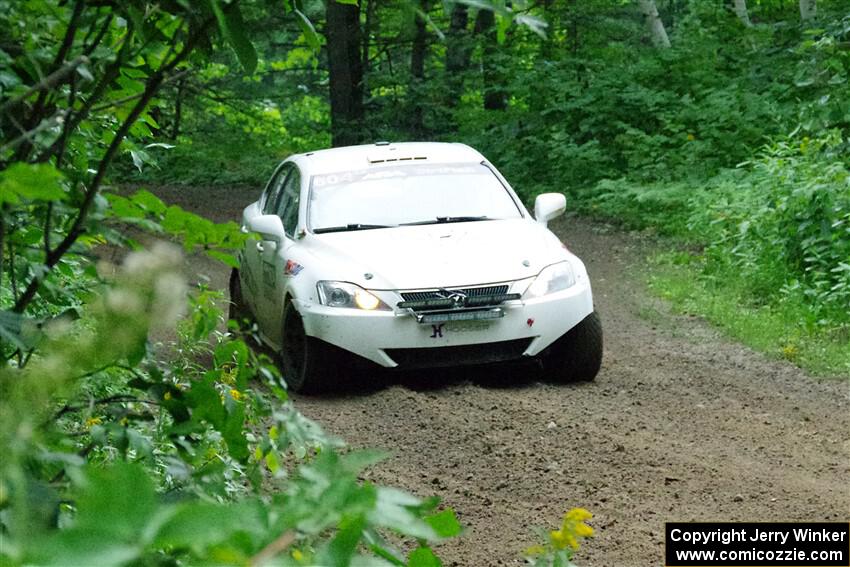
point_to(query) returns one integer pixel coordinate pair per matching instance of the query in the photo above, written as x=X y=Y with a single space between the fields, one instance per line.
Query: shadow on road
x=506 y=376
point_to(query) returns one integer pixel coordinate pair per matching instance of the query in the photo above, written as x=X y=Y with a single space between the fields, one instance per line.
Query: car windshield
x=408 y=194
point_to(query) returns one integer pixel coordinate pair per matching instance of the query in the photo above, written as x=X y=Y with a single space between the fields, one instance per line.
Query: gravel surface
x=680 y=425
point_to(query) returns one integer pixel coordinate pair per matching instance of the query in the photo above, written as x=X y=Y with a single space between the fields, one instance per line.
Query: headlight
x=344 y=294
x=556 y=277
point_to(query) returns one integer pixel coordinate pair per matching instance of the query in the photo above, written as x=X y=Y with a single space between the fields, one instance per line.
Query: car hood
x=440 y=255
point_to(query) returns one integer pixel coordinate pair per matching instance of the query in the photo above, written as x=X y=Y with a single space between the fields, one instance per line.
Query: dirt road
x=681 y=424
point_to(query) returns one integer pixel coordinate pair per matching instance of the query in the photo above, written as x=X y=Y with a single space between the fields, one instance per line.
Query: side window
x=290 y=196
x=271 y=196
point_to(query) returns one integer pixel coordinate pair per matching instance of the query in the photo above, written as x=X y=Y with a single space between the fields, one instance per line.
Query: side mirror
x=549 y=206
x=270 y=227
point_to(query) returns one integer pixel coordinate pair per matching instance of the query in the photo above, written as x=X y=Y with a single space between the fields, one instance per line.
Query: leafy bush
x=150 y=461
x=784 y=228
x=774 y=233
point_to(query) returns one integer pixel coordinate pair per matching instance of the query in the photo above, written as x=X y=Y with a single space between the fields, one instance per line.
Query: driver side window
x=289 y=199
x=271 y=197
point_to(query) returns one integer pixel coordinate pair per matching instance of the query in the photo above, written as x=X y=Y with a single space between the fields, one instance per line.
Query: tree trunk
x=345 y=68
x=574 y=27
x=458 y=52
x=178 y=108
x=368 y=29
x=654 y=23
x=417 y=69
x=495 y=97
x=808 y=9
x=741 y=12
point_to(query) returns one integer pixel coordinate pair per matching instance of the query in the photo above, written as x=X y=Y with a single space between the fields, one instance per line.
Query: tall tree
x=345 y=67
x=495 y=96
x=369 y=27
x=654 y=23
x=808 y=9
x=417 y=67
x=741 y=11
x=458 y=52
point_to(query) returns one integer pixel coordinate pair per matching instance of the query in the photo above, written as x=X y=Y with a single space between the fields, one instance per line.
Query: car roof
x=357 y=158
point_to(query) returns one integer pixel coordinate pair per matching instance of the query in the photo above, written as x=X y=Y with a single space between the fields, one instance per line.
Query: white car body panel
x=388 y=260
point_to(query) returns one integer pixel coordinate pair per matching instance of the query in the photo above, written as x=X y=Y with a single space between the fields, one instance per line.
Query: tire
x=238 y=311
x=577 y=355
x=308 y=365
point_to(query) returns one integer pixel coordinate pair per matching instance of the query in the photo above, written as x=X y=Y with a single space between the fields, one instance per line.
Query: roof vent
x=382 y=143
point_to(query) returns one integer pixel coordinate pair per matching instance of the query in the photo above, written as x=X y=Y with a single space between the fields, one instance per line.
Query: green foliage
x=30 y=182
x=154 y=454
x=773 y=237
x=785 y=227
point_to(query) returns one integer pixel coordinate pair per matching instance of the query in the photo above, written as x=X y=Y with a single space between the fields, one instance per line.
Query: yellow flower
x=166 y=396
x=228 y=374
x=562 y=540
x=583 y=530
x=578 y=515
x=790 y=351
x=92 y=421
x=297 y=555
x=235 y=394
x=691 y=137
x=572 y=529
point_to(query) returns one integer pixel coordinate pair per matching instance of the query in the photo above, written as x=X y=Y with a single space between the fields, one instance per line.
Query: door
x=273 y=257
x=251 y=267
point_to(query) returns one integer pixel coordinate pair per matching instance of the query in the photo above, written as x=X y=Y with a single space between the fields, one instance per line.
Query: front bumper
x=528 y=327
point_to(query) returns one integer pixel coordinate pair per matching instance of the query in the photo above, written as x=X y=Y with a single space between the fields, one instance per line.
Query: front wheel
x=576 y=356
x=309 y=366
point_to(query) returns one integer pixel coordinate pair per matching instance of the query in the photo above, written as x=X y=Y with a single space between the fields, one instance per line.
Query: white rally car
x=409 y=255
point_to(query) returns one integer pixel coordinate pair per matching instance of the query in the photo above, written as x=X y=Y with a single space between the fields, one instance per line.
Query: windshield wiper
x=349 y=227
x=444 y=220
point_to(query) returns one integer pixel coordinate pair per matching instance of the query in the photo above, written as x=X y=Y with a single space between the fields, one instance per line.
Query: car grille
x=435 y=357
x=468 y=291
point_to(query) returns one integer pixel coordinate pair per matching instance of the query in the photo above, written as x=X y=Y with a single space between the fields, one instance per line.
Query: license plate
x=467 y=326
x=430 y=318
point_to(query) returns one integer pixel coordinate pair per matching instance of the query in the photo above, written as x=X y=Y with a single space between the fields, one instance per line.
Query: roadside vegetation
x=721 y=125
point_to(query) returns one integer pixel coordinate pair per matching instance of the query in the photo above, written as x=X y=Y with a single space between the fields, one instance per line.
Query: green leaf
x=198 y=526
x=445 y=523
x=233 y=29
x=343 y=545
x=349 y=2
x=206 y=403
x=17 y=329
x=356 y=461
x=223 y=257
x=423 y=557
x=149 y=201
x=231 y=352
x=116 y=502
x=78 y=546
x=396 y=510
x=234 y=433
x=310 y=35
x=30 y=181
